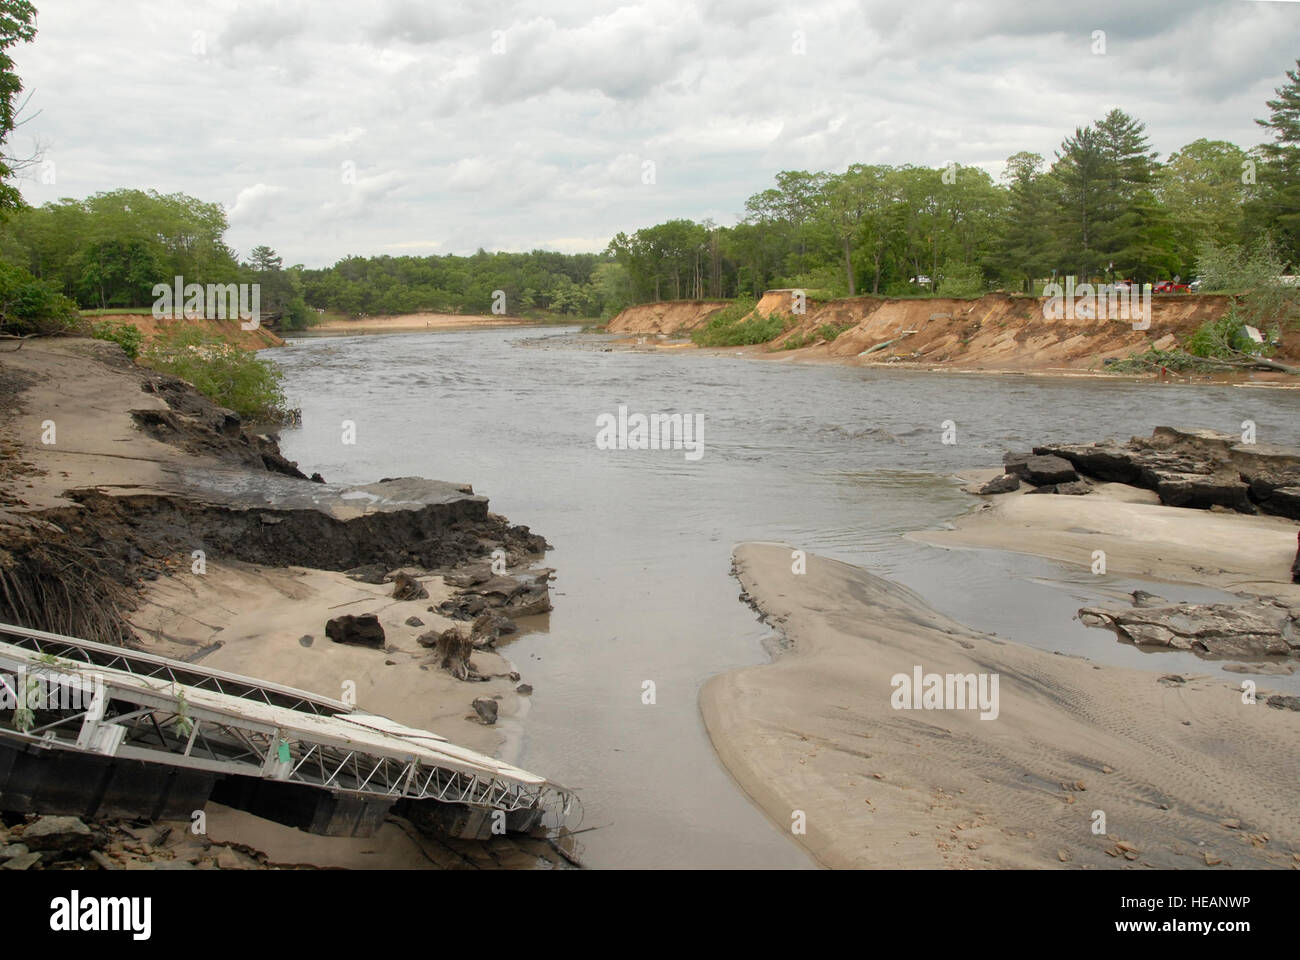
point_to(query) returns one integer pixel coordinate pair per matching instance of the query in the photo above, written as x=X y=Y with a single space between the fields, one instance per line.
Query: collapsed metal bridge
x=61 y=693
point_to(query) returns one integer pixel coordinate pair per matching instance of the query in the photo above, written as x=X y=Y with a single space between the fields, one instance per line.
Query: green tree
x=17 y=25
x=1280 y=176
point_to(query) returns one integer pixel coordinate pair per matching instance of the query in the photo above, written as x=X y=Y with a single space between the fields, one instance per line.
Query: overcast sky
x=440 y=126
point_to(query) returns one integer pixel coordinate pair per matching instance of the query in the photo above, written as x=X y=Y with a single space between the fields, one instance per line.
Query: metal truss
x=164 y=711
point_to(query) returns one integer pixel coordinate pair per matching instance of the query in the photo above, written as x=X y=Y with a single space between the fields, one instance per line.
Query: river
x=839 y=461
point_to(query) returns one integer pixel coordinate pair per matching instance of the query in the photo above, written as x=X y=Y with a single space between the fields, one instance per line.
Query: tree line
x=1103 y=208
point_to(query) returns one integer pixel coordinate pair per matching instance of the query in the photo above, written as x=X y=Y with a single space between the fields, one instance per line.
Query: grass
x=113 y=311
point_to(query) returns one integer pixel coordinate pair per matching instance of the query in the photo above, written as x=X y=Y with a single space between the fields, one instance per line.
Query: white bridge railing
x=65 y=693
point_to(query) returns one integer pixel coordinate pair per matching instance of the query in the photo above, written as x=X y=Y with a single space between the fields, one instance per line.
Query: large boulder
x=364 y=630
x=1040 y=469
x=1203 y=491
x=1191 y=468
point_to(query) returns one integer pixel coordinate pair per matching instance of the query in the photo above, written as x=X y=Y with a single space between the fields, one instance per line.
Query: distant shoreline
x=410 y=323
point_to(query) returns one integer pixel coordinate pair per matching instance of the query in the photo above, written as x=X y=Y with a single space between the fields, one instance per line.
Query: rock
x=486 y=708
x=1202 y=491
x=23 y=862
x=364 y=629
x=1041 y=469
x=524 y=689
x=429 y=638
x=228 y=859
x=1195 y=468
x=66 y=834
x=306 y=640
x=414 y=622
x=1252 y=628
x=1013 y=462
x=513 y=596
x=408 y=588
x=1284 y=703
x=1075 y=488
x=1295 y=567
x=1143 y=599
x=469 y=575
x=1003 y=484
x=488 y=627
x=11 y=850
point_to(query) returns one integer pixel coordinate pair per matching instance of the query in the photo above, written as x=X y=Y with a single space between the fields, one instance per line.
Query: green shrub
x=125 y=335
x=227 y=375
x=733 y=326
x=29 y=305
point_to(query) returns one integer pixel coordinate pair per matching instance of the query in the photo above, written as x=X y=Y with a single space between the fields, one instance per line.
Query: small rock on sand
x=364 y=629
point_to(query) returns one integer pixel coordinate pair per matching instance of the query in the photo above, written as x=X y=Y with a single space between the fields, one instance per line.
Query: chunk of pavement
x=364 y=629
x=486 y=708
x=67 y=834
x=1250 y=628
x=1003 y=484
x=24 y=862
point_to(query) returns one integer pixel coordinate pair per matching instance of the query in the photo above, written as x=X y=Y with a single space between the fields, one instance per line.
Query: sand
x=1165 y=763
x=250 y=619
x=1140 y=536
x=407 y=322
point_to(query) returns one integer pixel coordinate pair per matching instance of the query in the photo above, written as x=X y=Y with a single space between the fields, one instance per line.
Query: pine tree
x=1280 y=176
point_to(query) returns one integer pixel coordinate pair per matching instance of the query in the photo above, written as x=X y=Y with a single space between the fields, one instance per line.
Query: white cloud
x=454 y=147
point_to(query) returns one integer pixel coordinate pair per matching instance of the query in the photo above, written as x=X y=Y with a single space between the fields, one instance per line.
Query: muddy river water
x=835 y=460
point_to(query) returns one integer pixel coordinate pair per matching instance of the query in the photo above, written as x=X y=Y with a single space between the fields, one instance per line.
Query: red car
x=1168 y=286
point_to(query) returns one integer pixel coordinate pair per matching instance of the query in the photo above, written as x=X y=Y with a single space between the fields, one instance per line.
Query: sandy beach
x=409 y=322
x=1167 y=763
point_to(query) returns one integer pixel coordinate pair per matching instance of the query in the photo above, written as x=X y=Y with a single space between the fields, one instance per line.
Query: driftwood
x=452 y=652
x=21 y=338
